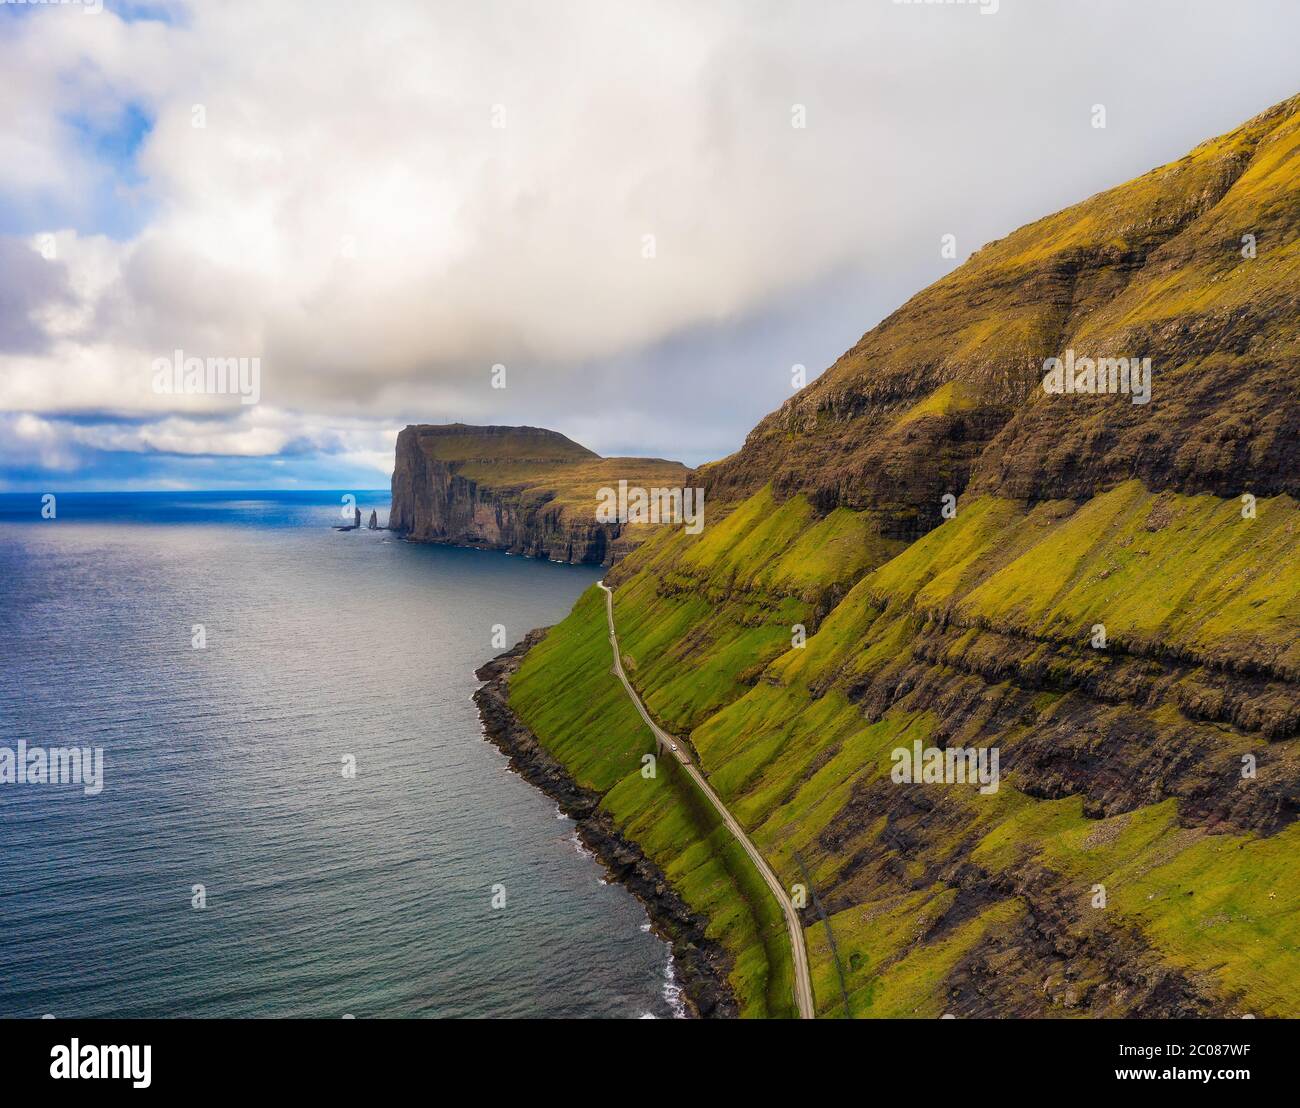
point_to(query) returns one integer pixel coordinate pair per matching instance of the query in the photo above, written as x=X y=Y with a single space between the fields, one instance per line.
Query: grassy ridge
x=1194 y=264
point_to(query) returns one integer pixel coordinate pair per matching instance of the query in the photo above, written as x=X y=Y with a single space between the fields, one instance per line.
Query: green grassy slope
x=801 y=753
x=568 y=695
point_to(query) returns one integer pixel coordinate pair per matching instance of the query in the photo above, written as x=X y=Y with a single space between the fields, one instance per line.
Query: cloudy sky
x=612 y=200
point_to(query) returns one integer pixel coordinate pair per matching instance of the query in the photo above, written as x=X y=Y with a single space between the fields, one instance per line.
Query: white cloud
x=59 y=444
x=350 y=215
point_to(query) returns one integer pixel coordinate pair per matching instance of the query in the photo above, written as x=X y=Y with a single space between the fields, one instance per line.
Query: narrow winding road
x=803 y=993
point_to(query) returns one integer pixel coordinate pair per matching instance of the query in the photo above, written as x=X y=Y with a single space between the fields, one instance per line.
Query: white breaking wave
x=673 y=991
x=581 y=847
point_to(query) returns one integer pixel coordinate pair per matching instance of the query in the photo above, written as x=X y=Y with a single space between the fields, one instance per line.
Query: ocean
x=298 y=815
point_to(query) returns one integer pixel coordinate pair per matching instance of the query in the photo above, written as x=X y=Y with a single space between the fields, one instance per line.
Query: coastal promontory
x=525 y=490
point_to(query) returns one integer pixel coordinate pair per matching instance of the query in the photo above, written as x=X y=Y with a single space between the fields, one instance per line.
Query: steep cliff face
x=1111 y=602
x=526 y=490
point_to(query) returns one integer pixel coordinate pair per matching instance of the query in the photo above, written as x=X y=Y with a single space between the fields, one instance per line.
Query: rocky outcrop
x=701 y=963
x=525 y=490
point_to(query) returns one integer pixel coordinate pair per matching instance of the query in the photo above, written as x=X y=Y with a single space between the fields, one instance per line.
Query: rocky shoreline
x=702 y=964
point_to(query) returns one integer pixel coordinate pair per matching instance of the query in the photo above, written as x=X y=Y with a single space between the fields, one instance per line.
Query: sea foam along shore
x=702 y=963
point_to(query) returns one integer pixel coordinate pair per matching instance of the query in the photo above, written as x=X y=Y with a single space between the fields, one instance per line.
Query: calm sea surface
x=223 y=767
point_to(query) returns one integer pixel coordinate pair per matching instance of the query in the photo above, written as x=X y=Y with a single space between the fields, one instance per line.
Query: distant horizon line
x=162 y=492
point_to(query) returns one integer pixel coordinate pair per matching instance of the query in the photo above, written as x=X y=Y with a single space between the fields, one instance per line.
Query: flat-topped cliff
x=525 y=490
